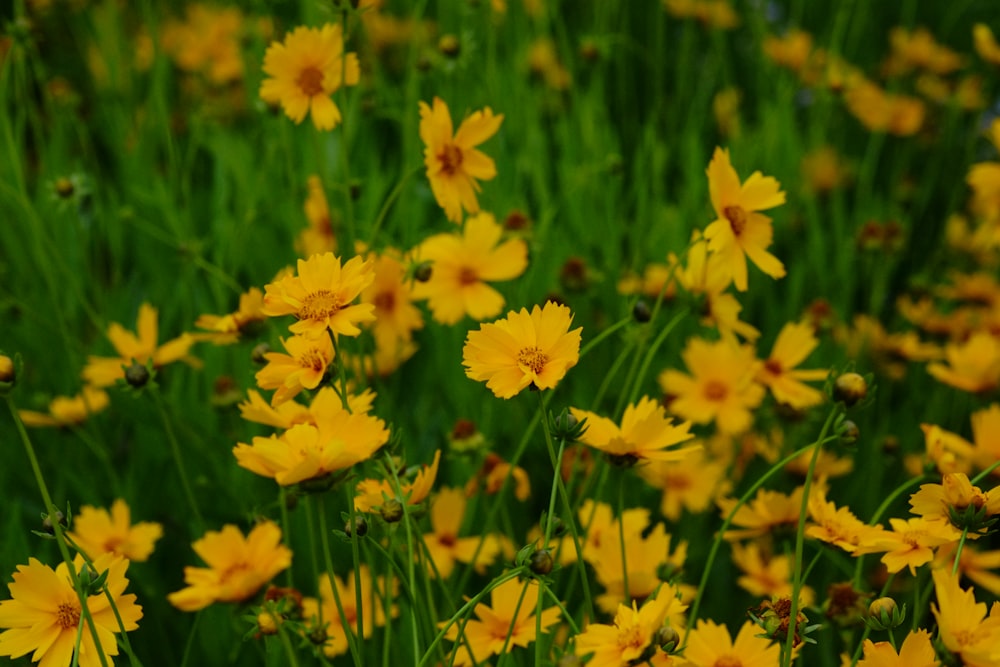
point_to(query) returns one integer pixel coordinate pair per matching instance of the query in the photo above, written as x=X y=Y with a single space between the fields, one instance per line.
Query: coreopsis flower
x=915 y=651
x=600 y=526
x=323 y=407
x=953 y=500
x=372 y=493
x=651 y=283
x=778 y=373
x=909 y=544
x=828 y=465
x=493 y=473
x=68 y=410
x=237 y=566
x=227 y=329
x=454 y=165
x=880 y=111
x=319 y=236
x=721 y=388
x=711 y=645
x=985 y=43
x=97 y=532
x=445 y=547
x=711 y=13
x=632 y=633
x=889 y=351
x=740 y=230
x=986 y=436
x=692 y=482
x=918 y=48
x=645 y=556
x=305 y=70
x=207 y=42
x=303 y=368
x=523 y=349
x=141 y=349
x=792 y=50
x=320 y=295
x=373 y=612
x=392 y=295
x=645 y=433
x=306 y=452
x=964 y=627
x=44 y=614
x=977 y=566
x=767 y=575
x=507 y=622
x=462 y=264
x=769 y=511
x=824 y=170
x=973 y=366
x=836 y=525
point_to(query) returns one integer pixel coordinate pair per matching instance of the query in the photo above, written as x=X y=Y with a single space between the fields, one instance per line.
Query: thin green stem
x=958 y=553
x=175 y=451
x=328 y=561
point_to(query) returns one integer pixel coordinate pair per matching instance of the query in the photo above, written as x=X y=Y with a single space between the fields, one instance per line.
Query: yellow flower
x=909 y=544
x=721 y=388
x=509 y=621
x=973 y=366
x=44 y=614
x=320 y=295
x=955 y=494
x=392 y=294
x=461 y=265
x=767 y=575
x=985 y=43
x=964 y=627
x=445 y=547
x=645 y=434
x=777 y=373
x=453 y=163
x=492 y=475
x=227 y=329
x=836 y=525
x=880 y=111
x=535 y=348
x=645 y=556
x=711 y=645
x=740 y=230
x=302 y=369
x=207 y=41
x=306 y=452
x=371 y=493
x=325 y=404
x=692 y=483
x=628 y=638
x=306 y=70
x=68 y=410
x=97 y=532
x=105 y=371
x=915 y=651
x=766 y=513
x=237 y=566
x=373 y=613
x=319 y=236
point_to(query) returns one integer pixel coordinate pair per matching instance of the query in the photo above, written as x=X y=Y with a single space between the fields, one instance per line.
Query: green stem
x=958 y=553
x=878 y=514
x=345 y=626
x=411 y=576
x=175 y=451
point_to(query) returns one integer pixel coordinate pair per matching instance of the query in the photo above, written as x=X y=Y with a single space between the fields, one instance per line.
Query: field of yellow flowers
x=500 y=332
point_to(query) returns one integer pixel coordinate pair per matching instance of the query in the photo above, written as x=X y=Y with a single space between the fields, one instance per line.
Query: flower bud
x=422 y=272
x=8 y=374
x=541 y=561
x=848 y=432
x=885 y=614
x=667 y=638
x=137 y=375
x=258 y=352
x=359 y=526
x=64 y=187
x=392 y=511
x=565 y=426
x=48 y=525
x=449 y=46
x=641 y=312
x=850 y=388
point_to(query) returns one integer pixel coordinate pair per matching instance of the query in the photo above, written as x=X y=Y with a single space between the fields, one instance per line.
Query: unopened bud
x=358 y=527
x=850 y=388
x=667 y=638
x=137 y=375
x=641 y=311
x=449 y=46
x=849 y=432
x=392 y=511
x=422 y=272
x=258 y=352
x=541 y=561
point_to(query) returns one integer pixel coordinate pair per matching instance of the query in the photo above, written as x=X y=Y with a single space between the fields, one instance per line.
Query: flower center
x=737 y=218
x=313 y=359
x=467 y=276
x=310 y=81
x=728 y=661
x=715 y=390
x=631 y=637
x=450 y=158
x=68 y=615
x=319 y=305
x=533 y=358
x=773 y=366
x=385 y=301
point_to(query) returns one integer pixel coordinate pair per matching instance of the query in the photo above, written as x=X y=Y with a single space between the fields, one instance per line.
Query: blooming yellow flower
x=320 y=295
x=711 y=645
x=767 y=512
x=371 y=493
x=302 y=369
x=227 y=329
x=44 y=614
x=767 y=575
x=645 y=434
x=507 y=622
x=453 y=163
x=632 y=632
x=740 y=230
x=373 y=613
x=973 y=366
x=305 y=70
x=645 y=556
x=777 y=373
x=964 y=627
x=955 y=494
x=909 y=544
x=445 y=547
x=461 y=266
x=836 y=525
x=324 y=405
x=307 y=452
x=915 y=651
x=721 y=388
x=535 y=348
x=319 y=237
x=105 y=371
x=692 y=483
x=97 y=532
x=880 y=111
x=492 y=475
x=392 y=294
x=985 y=43
x=207 y=41
x=237 y=566
x=68 y=410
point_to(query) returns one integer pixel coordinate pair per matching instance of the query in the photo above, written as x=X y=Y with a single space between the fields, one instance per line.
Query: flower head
x=711 y=645
x=68 y=410
x=778 y=373
x=320 y=295
x=302 y=368
x=98 y=532
x=305 y=70
x=237 y=566
x=373 y=591
x=229 y=328
x=740 y=230
x=371 y=493
x=915 y=651
x=141 y=349
x=645 y=433
x=462 y=265
x=628 y=638
x=453 y=163
x=44 y=613
x=523 y=349
x=445 y=547
x=973 y=366
x=392 y=294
